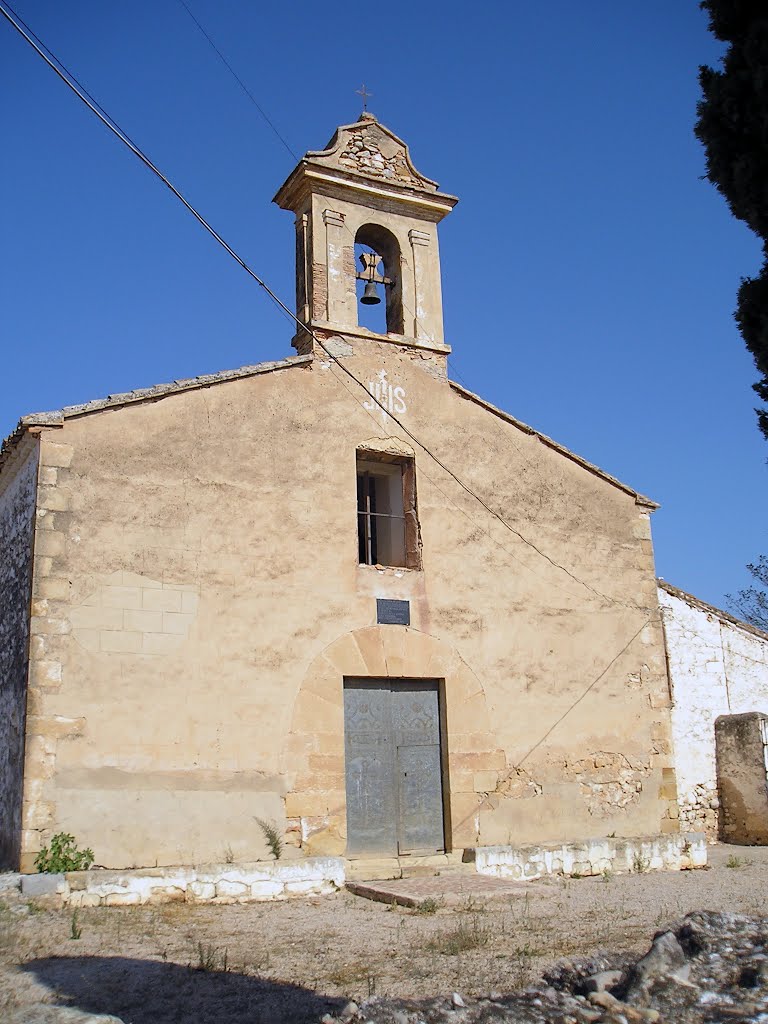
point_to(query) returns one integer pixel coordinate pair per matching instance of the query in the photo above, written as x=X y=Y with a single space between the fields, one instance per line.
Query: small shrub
x=346 y=975
x=472 y=906
x=272 y=837
x=428 y=906
x=640 y=864
x=229 y=855
x=63 y=855
x=210 y=959
x=75 y=931
x=467 y=934
x=737 y=862
x=663 y=915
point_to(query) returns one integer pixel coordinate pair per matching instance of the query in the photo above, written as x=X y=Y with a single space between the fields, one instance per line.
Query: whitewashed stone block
x=265 y=890
x=231 y=888
x=122 y=899
x=202 y=891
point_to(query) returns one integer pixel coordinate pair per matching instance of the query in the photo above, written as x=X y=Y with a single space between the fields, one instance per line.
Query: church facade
x=338 y=594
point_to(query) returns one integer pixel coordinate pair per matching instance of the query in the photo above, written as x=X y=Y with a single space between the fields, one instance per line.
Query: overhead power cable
x=79 y=90
x=268 y=120
x=240 y=82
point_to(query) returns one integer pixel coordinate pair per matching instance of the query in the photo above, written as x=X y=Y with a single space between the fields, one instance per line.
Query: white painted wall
x=717 y=666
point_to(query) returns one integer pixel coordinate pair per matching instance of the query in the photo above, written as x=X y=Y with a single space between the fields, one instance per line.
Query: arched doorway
x=316 y=756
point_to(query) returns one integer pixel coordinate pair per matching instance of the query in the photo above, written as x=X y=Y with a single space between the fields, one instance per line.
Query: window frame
x=411 y=528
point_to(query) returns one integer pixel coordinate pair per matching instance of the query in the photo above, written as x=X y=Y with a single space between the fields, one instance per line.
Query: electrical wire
x=240 y=82
x=588 y=689
x=79 y=90
x=454 y=359
x=268 y=120
x=113 y=126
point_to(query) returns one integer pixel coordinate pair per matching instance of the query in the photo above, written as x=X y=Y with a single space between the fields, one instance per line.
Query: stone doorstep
x=447 y=890
x=377 y=868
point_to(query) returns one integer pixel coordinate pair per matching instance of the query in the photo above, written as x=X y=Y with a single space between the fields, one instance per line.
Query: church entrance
x=393 y=767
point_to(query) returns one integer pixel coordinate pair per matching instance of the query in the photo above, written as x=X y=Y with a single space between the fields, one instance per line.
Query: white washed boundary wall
x=716 y=668
x=679 y=852
x=211 y=883
x=319 y=876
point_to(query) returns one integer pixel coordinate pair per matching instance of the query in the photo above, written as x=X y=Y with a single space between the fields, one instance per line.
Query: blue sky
x=589 y=273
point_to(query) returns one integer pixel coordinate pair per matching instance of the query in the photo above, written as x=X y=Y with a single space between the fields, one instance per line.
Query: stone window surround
x=411 y=532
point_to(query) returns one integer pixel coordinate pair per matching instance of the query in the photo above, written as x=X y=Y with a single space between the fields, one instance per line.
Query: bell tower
x=363 y=190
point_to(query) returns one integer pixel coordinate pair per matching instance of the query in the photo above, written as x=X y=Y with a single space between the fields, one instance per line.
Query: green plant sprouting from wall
x=272 y=837
x=63 y=855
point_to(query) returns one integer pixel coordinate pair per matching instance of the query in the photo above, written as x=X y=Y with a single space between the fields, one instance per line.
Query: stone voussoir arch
x=313 y=764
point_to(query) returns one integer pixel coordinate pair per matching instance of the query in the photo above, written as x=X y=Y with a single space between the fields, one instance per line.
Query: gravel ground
x=293 y=961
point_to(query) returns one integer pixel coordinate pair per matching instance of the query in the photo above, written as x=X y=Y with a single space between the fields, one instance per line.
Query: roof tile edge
x=712 y=609
x=56 y=417
x=640 y=499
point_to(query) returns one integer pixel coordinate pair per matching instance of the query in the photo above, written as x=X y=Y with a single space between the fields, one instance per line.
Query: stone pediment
x=370 y=150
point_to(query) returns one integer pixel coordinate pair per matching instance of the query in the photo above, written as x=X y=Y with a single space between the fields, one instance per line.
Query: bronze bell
x=370 y=296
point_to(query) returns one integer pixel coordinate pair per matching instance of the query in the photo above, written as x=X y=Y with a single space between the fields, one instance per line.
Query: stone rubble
x=709 y=968
x=699 y=809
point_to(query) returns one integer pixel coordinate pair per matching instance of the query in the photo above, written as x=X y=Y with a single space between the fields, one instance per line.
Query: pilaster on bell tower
x=364 y=190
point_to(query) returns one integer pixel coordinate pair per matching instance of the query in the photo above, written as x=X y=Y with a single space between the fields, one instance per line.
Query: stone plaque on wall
x=393 y=613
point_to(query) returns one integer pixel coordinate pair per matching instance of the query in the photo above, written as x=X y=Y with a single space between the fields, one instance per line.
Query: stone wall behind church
x=199 y=603
x=18 y=487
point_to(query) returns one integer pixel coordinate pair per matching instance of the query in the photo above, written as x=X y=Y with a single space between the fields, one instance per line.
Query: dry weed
x=467 y=933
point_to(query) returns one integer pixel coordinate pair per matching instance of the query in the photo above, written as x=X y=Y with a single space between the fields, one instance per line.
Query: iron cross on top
x=362 y=91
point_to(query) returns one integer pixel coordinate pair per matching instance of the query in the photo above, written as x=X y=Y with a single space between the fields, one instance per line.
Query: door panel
x=420 y=799
x=370 y=769
x=415 y=713
x=416 y=724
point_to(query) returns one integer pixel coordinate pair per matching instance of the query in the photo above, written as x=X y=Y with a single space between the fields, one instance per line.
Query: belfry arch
x=385 y=244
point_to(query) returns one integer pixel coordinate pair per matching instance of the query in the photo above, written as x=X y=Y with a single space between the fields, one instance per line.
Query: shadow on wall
x=150 y=992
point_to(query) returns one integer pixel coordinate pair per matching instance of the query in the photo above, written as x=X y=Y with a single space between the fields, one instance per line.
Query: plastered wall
x=199 y=602
x=717 y=667
x=18 y=485
x=741 y=747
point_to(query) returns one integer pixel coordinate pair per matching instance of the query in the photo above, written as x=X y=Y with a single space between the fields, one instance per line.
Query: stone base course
x=210 y=883
x=680 y=852
x=317 y=876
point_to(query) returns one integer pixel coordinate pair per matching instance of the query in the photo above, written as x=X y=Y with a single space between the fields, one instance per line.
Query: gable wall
x=18 y=485
x=208 y=542
x=716 y=668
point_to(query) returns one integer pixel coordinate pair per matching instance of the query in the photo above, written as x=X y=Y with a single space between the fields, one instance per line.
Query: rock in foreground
x=709 y=968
